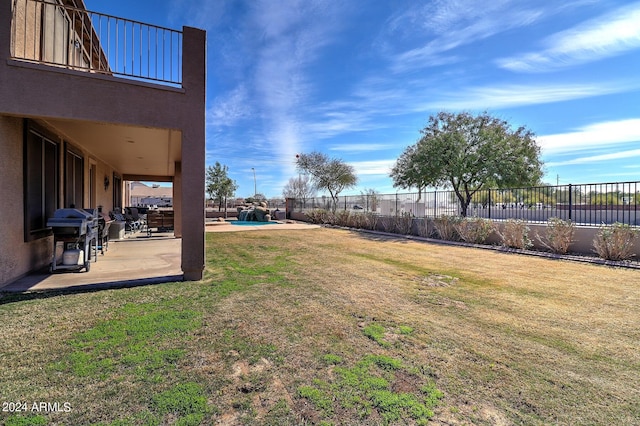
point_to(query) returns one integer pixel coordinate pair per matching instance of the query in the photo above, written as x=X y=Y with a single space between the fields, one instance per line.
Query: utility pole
x=255 y=187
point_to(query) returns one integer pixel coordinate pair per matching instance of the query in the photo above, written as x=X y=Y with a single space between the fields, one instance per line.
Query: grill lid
x=72 y=214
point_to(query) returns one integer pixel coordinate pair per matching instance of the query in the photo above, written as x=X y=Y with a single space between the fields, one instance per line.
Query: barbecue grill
x=78 y=231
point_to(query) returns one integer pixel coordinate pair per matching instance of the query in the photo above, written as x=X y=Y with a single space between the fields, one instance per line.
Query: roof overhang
x=138 y=153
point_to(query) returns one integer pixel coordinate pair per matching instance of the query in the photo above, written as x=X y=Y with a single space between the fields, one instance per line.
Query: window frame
x=74 y=170
x=116 y=188
x=49 y=185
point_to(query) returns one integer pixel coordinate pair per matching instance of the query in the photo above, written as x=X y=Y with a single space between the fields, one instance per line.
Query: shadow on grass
x=13 y=296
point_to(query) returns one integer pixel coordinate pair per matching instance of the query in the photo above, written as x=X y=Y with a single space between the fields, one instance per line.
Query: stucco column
x=177 y=200
x=193 y=153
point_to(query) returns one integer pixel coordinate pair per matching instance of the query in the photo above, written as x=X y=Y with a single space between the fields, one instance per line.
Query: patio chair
x=129 y=225
x=132 y=214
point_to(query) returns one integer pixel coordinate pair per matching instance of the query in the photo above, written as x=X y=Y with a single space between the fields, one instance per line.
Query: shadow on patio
x=129 y=262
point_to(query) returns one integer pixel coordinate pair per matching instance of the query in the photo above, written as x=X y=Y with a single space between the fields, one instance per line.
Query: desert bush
x=316 y=215
x=355 y=220
x=515 y=234
x=388 y=223
x=365 y=220
x=559 y=235
x=321 y=216
x=615 y=242
x=342 y=218
x=403 y=223
x=475 y=230
x=371 y=221
x=424 y=229
x=445 y=227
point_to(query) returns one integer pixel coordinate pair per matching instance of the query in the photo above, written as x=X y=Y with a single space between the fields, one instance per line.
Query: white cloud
x=229 y=109
x=290 y=35
x=519 y=95
x=597 y=135
x=609 y=35
x=361 y=147
x=597 y=158
x=373 y=167
x=448 y=24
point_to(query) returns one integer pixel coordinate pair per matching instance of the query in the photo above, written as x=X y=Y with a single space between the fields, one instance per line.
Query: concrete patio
x=136 y=260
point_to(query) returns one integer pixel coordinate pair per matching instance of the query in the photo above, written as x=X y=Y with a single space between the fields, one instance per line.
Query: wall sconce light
x=106 y=182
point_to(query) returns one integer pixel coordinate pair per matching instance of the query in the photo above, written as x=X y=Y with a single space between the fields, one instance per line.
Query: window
x=40 y=183
x=74 y=180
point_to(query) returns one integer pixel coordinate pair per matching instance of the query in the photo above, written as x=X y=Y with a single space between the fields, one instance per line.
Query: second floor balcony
x=62 y=33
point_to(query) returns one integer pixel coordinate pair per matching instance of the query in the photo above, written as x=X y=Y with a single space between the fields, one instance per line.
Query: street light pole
x=255 y=187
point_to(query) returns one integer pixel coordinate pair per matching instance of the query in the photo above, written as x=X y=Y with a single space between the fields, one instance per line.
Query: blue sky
x=358 y=79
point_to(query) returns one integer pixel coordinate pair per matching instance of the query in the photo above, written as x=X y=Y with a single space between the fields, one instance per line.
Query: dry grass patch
x=332 y=326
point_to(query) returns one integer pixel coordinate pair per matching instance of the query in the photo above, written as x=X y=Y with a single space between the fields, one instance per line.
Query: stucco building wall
x=75 y=106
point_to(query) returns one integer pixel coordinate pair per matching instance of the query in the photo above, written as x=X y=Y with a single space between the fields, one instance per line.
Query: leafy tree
x=467 y=152
x=331 y=174
x=299 y=188
x=219 y=184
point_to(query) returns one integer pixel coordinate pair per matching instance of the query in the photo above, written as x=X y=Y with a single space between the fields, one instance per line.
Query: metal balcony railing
x=55 y=33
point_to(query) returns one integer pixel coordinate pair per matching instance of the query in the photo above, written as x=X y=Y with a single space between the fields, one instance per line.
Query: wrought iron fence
x=52 y=33
x=585 y=204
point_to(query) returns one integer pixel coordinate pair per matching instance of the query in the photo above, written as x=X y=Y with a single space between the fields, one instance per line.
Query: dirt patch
x=436 y=280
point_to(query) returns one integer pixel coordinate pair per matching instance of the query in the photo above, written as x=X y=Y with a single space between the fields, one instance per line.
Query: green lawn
x=332 y=327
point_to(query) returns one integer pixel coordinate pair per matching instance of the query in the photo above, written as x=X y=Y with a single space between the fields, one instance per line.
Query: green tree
x=219 y=184
x=468 y=152
x=331 y=174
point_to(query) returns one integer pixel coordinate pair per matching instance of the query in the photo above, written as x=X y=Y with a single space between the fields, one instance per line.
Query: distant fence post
x=396 y=204
x=570 y=200
x=435 y=204
x=489 y=202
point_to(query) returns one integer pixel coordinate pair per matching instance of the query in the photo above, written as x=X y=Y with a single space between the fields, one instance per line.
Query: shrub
x=311 y=215
x=342 y=218
x=320 y=216
x=615 y=242
x=358 y=220
x=424 y=228
x=475 y=230
x=559 y=235
x=515 y=234
x=388 y=223
x=404 y=223
x=371 y=221
x=446 y=227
